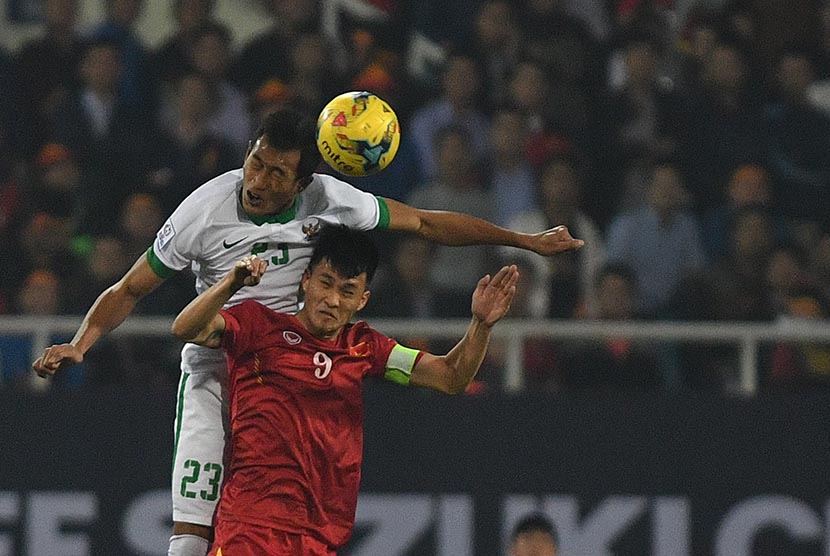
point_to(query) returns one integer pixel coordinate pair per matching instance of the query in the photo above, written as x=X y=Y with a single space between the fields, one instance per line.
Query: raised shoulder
x=212 y=193
x=339 y=202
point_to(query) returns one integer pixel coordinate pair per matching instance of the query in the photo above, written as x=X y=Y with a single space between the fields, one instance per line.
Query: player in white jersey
x=272 y=207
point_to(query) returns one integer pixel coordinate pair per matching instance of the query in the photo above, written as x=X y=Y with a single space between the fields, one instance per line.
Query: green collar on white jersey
x=282 y=218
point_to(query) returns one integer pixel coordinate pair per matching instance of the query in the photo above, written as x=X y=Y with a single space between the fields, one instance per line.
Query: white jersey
x=210 y=233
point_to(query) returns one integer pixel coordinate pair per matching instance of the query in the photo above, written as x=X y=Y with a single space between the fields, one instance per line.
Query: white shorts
x=201 y=431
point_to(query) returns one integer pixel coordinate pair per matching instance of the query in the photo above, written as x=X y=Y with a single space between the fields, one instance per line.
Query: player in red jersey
x=295 y=403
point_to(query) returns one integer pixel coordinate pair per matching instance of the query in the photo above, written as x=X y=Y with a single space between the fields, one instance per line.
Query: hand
x=55 y=358
x=555 y=240
x=248 y=272
x=492 y=297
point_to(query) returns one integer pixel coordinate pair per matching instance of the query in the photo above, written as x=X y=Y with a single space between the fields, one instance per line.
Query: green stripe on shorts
x=179 y=411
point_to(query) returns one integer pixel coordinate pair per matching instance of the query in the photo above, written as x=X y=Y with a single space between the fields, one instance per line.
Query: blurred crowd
x=686 y=142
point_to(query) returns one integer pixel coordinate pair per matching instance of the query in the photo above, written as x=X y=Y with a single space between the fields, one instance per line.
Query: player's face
x=331 y=300
x=269 y=179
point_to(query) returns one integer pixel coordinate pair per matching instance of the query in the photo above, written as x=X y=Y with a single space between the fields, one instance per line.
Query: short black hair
x=287 y=129
x=535 y=522
x=350 y=252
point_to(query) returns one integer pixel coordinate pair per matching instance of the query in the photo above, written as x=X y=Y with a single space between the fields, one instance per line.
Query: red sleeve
x=240 y=327
x=382 y=347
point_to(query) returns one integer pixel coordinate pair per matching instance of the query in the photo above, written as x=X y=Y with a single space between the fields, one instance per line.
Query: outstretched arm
x=452 y=373
x=454 y=228
x=109 y=310
x=200 y=322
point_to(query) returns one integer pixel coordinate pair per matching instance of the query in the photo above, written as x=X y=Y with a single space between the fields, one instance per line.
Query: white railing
x=746 y=336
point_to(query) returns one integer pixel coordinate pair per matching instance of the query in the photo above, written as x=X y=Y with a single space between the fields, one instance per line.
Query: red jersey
x=296 y=417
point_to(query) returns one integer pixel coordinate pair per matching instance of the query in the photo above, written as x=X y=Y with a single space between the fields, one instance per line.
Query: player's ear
x=364 y=299
x=304 y=281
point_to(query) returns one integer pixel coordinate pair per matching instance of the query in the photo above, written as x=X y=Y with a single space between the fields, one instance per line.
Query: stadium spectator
x=541 y=356
x=694 y=45
x=749 y=184
x=136 y=87
x=172 y=59
x=311 y=72
x=561 y=40
x=140 y=219
x=45 y=243
x=572 y=60
x=123 y=360
x=210 y=55
x=40 y=294
x=109 y=137
x=12 y=156
x=786 y=276
x=660 y=241
x=10 y=208
x=141 y=216
x=798 y=135
x=498 y=48
x=726 y=129
x=257 y=63
x=562 y=288
x=106 y=261
x=738 y=280
x=803 y=364
x=512 y=178
x=269 y=97
x=365 y=47
x=458 y=103
x=534 y=535
x=187 y=152
x=614 y=364
x=47 y=66
x=58 y=187
x=642 y=116
x=457 y=187
x=732 y=287
x=547 y=136
x=405 y=290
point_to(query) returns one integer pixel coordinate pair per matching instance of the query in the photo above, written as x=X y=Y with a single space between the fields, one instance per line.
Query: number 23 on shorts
x=189 y=487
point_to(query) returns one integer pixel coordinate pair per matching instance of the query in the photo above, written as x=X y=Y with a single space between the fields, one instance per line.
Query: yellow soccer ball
x=358 y=133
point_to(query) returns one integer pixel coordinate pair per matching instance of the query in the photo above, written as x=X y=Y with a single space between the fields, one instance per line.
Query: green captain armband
x=158 y=267
x=400 y=363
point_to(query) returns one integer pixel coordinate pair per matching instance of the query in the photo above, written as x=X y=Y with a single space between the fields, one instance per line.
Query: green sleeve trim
x=400 y=364
x=383 y=219
x=158 y=267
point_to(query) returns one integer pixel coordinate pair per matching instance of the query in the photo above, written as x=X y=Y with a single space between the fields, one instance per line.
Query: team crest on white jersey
x=311 y=227
x=292 y=337
x=166 y=233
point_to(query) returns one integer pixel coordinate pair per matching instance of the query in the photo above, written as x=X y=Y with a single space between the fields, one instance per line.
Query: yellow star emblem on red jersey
x=360 y=350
